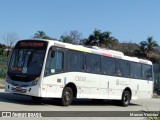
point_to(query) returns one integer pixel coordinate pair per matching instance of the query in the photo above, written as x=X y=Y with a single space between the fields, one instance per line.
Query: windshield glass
x=26 y=62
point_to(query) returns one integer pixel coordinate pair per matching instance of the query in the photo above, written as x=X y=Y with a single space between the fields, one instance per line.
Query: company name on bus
x=80 y=78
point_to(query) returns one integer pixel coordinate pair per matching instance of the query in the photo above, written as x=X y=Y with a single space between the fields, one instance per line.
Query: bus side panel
x=52 y=86
x=141 y=88
x=117 y=86
x=95 y=86
x=88 y=85
x=144 y=89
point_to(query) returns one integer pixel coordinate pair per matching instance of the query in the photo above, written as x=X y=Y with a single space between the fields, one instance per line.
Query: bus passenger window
x=122 y=68
x=147 y=72
x=119 y=73
x=135 y=70
x=92 y=63
x=108 y=65
x=75 y=61
x=59 y=61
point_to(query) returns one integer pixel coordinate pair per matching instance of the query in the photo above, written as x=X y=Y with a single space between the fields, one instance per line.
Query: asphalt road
x=12 y=102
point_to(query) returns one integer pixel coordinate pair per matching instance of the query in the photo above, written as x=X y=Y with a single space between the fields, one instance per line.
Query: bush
x=3 y=66
x=1 y=51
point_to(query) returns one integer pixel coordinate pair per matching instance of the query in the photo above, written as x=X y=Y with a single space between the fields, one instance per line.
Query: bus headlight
x=8 y=80
x=34 y=82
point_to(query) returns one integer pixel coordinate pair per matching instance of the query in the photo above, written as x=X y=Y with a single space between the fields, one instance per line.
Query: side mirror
x=52 y=54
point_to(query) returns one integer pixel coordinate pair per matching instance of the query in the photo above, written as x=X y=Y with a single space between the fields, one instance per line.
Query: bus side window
x=54 y=62
x=48 y=65
x=122 y=68
x=135 y=70
x=108 y=65
x=59 y=61
x=75 y=61
x=118 y=68
x=147 y=72
x=119 y=73
x=92 y=63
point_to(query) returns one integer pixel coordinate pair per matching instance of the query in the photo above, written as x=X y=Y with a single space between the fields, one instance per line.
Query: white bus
x=47 y=68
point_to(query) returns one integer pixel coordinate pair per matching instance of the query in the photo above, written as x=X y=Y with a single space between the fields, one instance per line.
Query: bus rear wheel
x=67 y=96
x=126 y=97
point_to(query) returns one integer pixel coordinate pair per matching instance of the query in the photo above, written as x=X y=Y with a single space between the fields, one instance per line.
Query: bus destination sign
x=31 y=44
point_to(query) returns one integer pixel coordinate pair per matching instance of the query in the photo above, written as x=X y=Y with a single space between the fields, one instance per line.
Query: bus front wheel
x=126 y=97
x=67 y=96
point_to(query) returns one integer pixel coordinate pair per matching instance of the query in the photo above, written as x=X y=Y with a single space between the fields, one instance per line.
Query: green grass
x=153 y=118
x=3 y=66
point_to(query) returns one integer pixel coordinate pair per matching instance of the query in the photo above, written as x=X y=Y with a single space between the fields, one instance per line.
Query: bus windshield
x=26 y=63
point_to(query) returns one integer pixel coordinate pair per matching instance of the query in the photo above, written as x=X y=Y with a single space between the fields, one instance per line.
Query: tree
x=10 y=39
x=148 y=45
x=42 y=35
x=2 y=47
x=107 y=40
x=66 y=39
x=101 y=39
x=73 y=37
x=39 y=34
x=94 y=39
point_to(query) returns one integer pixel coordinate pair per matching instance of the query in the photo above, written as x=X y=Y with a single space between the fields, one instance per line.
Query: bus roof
x=95 y=50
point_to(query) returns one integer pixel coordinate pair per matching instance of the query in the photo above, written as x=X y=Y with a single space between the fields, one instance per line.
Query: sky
x=127 y=20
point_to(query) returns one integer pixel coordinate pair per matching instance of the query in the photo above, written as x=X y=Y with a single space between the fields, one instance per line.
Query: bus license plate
x=18 y=88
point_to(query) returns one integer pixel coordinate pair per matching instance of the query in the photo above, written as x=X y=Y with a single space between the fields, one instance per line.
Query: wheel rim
x=126 y=99
x=67 y=97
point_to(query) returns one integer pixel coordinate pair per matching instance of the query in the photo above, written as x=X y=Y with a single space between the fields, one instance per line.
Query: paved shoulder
x=1 y=90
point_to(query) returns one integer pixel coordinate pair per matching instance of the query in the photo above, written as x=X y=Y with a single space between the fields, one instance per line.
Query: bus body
x=48 y=68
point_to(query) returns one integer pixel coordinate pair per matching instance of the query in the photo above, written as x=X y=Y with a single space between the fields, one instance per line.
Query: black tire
x=126 y=97
x=67 y=96
x=36 y=99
